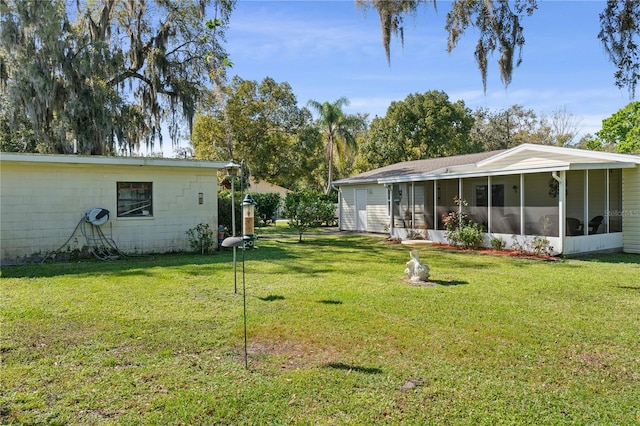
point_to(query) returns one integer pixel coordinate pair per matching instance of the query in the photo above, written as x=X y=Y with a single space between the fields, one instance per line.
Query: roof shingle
x=417 y=167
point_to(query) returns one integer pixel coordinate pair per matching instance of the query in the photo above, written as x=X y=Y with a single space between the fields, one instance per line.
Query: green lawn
x=335 y=336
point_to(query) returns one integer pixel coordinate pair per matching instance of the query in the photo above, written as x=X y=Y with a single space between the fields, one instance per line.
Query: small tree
x=267 y=206
x=305 y=209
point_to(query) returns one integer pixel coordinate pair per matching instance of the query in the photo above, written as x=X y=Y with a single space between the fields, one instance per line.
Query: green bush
x=201 y=238
x=498 y=243
x=224 y=210
x=459 y=229
x=307 y=209
x=266 y=206
x=470 y=235
x=541 y=245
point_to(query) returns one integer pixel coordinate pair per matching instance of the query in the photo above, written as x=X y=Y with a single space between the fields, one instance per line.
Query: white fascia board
x=610 y=156
x=348 y=182
x=111 y=161
x=471 y=174
x=600 y=166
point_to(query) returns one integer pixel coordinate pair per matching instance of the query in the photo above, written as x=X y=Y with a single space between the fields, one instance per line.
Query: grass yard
x=336 y=336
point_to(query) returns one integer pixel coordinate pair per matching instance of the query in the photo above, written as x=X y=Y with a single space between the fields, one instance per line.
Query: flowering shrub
x=459 y=229
x=541 y=245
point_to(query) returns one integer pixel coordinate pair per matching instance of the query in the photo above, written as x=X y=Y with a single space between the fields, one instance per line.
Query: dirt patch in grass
x=290 y=355
x=419 y=283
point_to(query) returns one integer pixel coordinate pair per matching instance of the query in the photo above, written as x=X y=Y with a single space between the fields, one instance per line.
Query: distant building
x=264 y=187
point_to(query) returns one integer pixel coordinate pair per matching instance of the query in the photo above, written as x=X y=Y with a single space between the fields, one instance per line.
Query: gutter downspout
x=339 y=191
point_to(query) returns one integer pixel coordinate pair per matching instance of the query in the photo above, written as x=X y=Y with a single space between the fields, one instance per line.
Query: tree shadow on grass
x=330 y=302
x=448 y=282
x=632 y=258
x=271 y=298
x=357 y=368
x=190 y=263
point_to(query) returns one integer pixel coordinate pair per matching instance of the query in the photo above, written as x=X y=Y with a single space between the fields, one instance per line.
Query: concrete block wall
x=41 y=203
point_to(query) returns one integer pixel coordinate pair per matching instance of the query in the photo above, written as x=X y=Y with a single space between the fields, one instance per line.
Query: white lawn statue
x=416 y=271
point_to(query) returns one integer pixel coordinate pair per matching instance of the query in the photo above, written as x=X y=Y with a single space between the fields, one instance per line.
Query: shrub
x=470 y=235
x=224 y=210
x=541 y=245
x=498 y=243
x=306 y=209
x=538 y=245
x=266 y=206
x=201 y=238
x=460 y=230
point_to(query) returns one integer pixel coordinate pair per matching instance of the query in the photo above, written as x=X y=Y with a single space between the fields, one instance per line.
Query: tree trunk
x=330 y=177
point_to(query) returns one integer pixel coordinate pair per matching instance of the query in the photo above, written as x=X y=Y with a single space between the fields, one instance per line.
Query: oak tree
x=262 y=124
x=423 y=125
x=499 y=24
x=107 y=74
x=621 y=131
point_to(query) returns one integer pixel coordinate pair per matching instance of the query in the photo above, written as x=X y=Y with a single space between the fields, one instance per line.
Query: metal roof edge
x=474 y=173
x=111 y=161
x=347 y=181
x=599 y=166
x=613 y=156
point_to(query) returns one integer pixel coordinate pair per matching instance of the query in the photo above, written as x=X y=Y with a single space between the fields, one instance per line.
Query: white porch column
x=522 y=227
x=435 y=205
x=460 y=195
x=562 y=213
x=489 y=203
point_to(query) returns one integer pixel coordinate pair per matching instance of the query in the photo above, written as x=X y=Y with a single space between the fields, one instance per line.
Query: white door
x=361 y=209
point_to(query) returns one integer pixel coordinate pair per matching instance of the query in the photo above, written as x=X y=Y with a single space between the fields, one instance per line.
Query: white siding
x=42 y=202
x=631 y=210
x=377 y=218
x=348 y=209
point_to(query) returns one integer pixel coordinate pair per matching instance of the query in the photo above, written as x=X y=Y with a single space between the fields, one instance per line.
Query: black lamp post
x=245 y=242
x=232 y=172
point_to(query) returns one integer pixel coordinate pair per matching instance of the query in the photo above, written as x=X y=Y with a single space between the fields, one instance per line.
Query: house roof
x=525 y=158
x=407 y=169
x=113 y=161
x=265 y=187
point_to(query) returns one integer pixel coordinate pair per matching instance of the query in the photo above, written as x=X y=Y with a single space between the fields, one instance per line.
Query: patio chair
x=574 y=227
x=594 y=224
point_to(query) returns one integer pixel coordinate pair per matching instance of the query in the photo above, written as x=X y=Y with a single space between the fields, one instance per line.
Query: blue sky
x=329 y=49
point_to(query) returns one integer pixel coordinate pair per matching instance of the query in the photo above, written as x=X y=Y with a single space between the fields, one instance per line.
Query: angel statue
x=416 y=271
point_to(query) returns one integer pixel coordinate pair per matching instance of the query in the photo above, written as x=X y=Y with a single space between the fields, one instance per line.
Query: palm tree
x=337 y=131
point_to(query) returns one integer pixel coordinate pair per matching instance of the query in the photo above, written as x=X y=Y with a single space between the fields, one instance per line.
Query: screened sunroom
x=581 y=201
x=551 y=204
